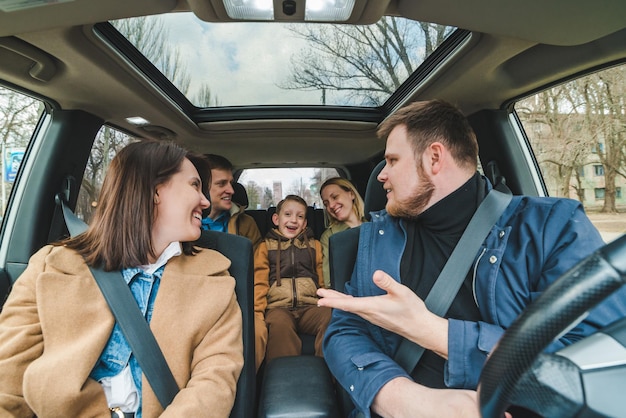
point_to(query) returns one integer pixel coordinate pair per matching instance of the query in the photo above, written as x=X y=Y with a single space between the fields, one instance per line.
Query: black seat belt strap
x=131 y=321
x=455 y=270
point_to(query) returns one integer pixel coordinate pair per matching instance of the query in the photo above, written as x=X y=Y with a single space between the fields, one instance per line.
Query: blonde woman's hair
x=357 y=203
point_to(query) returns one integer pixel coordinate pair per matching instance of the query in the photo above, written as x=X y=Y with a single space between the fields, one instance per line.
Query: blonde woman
x=344 y=210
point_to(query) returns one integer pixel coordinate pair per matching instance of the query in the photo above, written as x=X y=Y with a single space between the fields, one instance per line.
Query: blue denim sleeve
x=469 y=343
x=355 y=359
x=579 y=238
x=566 y=238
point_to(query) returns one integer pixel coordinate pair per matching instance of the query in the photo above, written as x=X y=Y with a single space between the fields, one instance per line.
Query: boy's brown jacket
x=300 y=271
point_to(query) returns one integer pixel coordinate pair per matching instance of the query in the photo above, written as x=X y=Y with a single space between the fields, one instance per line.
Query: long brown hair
x=119 y=235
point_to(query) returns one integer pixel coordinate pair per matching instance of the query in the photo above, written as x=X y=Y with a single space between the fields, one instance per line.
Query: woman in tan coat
x=61 y=351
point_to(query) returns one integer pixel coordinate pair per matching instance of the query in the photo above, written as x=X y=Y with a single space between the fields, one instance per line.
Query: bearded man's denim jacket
x=535 y=241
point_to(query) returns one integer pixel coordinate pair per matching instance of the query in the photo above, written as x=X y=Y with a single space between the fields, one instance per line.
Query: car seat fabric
x=342 y=247
x=239 y=251
x=342 y=252
x=286 y=394
x=315 y=221
x=240 y=197
x=261 y=218
x=375 y=196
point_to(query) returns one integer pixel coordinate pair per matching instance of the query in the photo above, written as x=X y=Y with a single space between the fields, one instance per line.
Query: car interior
x=281 y=85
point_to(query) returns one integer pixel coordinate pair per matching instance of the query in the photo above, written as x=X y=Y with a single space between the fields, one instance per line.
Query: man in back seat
x=225 y=215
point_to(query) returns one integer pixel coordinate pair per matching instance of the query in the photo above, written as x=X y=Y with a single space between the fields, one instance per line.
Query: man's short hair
x=218 y=162
x=435 y=121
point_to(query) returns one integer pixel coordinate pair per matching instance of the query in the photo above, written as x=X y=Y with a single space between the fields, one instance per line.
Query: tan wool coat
x=56 y=323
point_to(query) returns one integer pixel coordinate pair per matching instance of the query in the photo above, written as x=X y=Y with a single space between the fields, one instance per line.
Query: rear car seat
x=261 y=219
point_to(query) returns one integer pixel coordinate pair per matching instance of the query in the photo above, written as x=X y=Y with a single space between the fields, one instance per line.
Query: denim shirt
x=144 y=284
x=220 y=223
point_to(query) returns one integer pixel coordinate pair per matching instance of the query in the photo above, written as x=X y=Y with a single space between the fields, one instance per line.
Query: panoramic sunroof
x=243 y=64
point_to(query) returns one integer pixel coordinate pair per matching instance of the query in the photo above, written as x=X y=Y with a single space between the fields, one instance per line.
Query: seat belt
x=130 y=319
x=455 y=270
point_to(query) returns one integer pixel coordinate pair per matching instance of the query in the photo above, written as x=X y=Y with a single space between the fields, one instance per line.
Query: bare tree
x=297 y=187
x=254 y=194
x=204 y=97
x=576 y=120
x=320 y=175
x=605 y=119
x=559 y=143
x=108 y=142
x=151 y=37
x=18 y=117
x=365 y=63
x=268 y=198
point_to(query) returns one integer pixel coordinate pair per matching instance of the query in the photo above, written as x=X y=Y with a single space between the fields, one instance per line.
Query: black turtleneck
x=431 y=237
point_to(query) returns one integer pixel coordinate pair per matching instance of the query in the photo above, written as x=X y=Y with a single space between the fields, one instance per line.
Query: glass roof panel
x=271 y=63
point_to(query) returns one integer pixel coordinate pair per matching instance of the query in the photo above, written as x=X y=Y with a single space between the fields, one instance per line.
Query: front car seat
x=239 y=251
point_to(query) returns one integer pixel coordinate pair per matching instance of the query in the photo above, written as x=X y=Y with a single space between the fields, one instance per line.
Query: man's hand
x=400 y=311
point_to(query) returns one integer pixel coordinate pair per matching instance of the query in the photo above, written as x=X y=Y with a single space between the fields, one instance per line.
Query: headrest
x=375 y=196
x=241 y=196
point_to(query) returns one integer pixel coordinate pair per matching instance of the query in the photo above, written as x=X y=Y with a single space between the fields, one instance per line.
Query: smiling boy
x=287 y=274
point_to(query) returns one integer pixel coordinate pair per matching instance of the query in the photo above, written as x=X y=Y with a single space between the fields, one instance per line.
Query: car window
x=578 y=133
x=19 y=116
x=108 y=142
x=267 y=186
x=234 y=68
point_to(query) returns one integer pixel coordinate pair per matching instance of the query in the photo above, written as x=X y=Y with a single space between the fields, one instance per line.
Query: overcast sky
x=241 y=63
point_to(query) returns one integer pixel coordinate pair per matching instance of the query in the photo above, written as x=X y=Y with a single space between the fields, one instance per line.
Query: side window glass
x=578 y=134
x=19 y=115
x=108 y=142
x=268 y=186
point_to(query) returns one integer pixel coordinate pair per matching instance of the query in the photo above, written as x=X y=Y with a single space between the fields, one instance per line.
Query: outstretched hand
x=400 y=311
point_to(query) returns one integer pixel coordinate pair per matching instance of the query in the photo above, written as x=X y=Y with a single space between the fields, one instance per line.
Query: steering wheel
x=512 y=368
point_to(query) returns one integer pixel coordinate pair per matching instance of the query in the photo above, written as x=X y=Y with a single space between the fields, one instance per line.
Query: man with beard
x=433 y=189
